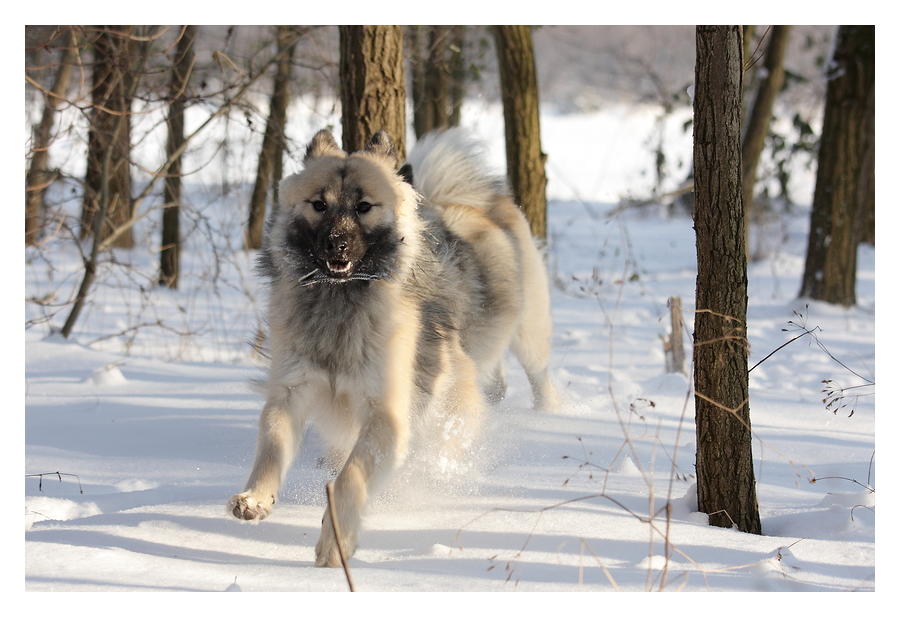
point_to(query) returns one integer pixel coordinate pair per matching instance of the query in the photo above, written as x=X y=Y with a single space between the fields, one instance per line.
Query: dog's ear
x=381 y=145
x=288 y=190
x=406 y=173
x=322 y=144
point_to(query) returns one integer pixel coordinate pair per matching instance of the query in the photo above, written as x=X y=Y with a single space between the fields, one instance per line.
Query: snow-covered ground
x=151 y=444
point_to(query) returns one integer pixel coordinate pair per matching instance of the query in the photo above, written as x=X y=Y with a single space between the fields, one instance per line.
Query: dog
x=390 y=310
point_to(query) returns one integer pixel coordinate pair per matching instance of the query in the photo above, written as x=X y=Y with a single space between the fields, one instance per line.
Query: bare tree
x=39 y=176
x=726 y=487
x=457 y=73
x=170 y=251
x=771 y=79
x=437 y=79
x=373 y=87
x=521 y=115
x=100 y=219
x=108 y=176
x=268 y=170
x=844 y=197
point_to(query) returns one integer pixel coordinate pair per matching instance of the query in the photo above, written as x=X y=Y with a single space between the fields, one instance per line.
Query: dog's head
x=344 y=217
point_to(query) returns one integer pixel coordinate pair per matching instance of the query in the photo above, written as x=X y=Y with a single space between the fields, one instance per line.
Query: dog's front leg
x=280 y=432
x=378 y=452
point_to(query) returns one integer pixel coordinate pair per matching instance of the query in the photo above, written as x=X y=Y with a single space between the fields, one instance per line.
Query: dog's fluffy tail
x=449 y=168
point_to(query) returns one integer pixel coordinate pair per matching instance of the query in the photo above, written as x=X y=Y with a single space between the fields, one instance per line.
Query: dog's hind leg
x=531 y=342
x=495 y=389
x=532 y=349
x=280 y=433
x=462 y=415
x=531 y=346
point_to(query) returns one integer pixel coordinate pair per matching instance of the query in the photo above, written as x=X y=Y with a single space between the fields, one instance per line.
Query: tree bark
x=519 y=90
x=457 y=73
x=273 y=139
x=170 y=253
x=373 y=87
x=726 y=487
x=673 y=346
x=431 y=79
x=418 y=54
x=438 y=77
x=39 y=176
x=866 y=188
x=845 y=186
x=757 y=124
x=110 y=131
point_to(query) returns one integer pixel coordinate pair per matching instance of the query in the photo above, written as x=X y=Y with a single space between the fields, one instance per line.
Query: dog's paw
x=248 y=508
x=327 y=554
x=328 y=557
x=548 y=399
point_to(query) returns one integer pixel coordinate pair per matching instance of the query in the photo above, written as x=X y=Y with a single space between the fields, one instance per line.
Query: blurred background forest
x=103 y=106
x=579 y=67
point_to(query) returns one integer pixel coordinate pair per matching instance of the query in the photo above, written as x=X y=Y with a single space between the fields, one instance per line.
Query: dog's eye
x=319 y=206
x=363 y=207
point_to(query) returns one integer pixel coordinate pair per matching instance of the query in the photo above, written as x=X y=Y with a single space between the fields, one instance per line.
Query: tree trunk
x=757 y=124
x=110 y=131
x=169 y=256
x=726 y=488
x=437 y=85
x=373 y=87
x=457 y=74
x=39 y=176
x=749 y=47
x=431 y=79
x=418 y=55
x=438 y=76
x=748 y=43
x=845 y=183
x=866 y=188
x=105 y=230
x=519 y=90
x=273 y=138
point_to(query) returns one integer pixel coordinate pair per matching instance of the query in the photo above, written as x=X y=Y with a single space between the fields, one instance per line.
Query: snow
x=158 y=429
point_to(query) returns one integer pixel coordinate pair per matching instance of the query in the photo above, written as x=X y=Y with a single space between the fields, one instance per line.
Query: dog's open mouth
x=337 y=271
x=339 y=267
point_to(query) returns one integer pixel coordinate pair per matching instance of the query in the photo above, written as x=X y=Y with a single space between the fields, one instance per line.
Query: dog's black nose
x=338 y=245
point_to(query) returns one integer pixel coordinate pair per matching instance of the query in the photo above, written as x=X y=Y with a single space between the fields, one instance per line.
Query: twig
x=869 y=475
x=859 y=506
x=753 y=60
x=329 y=491
x=779 y=348
x=834 y=392
x=149 y=324
x=812 y=333
x=868 y=488
x=58 y=474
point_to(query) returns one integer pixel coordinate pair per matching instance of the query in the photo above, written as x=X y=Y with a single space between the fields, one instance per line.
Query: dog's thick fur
x=389 y=312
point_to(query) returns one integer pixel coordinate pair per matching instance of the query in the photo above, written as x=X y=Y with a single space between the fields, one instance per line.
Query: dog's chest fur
x=335 y=327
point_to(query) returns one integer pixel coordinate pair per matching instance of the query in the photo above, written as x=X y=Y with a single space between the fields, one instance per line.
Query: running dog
x=393 y=296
